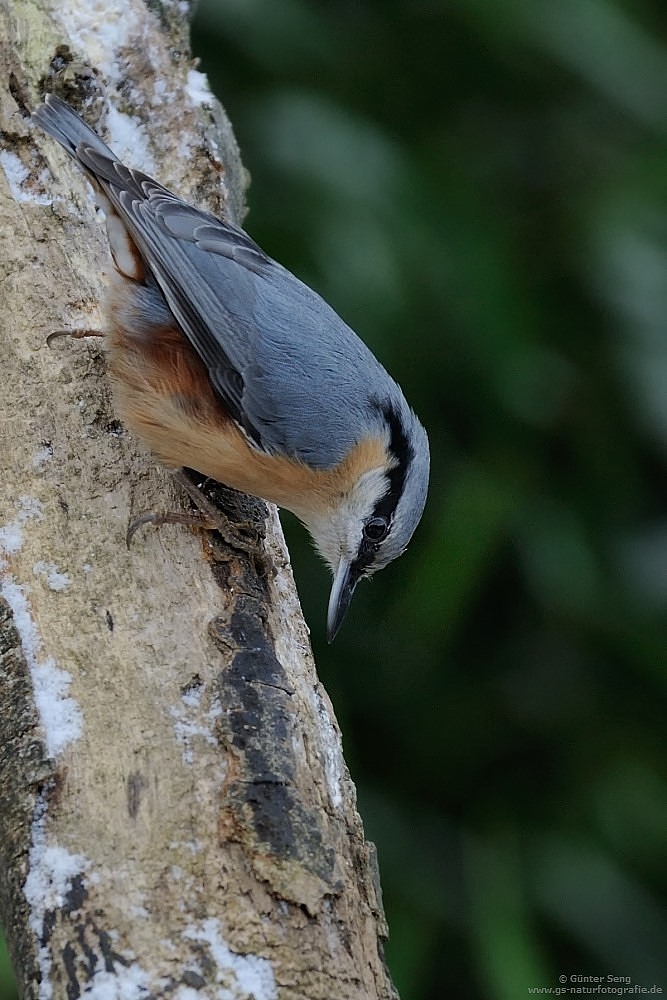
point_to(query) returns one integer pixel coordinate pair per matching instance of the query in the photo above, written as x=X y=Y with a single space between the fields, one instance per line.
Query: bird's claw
x=74 y=334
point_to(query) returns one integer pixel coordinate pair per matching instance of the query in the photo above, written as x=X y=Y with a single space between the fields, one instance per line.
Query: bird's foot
x=241 y=536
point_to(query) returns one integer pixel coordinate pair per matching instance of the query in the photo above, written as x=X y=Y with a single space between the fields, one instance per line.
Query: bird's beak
x=345 y=580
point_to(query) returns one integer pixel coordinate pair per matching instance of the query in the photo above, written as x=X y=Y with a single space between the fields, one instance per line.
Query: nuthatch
x=224 y=362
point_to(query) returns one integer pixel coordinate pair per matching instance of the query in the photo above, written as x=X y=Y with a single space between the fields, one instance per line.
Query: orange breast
x=164 y=395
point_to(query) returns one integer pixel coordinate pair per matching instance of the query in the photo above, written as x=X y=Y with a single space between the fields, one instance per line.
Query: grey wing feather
x=272 y=347
x=190 y=224
x=263 y=333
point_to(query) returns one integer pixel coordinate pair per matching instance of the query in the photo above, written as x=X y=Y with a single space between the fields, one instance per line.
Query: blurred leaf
x=476 y=514
x=7 y=988
x=602 y=907
x=507 y=957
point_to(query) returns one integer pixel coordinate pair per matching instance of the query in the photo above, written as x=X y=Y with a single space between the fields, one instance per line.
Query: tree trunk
x=176 y=817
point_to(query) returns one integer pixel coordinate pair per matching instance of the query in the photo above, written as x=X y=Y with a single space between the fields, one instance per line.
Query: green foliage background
x=480 y=189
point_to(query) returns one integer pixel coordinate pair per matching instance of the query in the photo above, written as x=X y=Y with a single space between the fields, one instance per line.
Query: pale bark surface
x=176 y=817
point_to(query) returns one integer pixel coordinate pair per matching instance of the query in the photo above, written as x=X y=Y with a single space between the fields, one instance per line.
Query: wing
x=273 y=349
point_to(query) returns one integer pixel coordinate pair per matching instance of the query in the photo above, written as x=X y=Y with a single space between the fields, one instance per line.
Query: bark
x=176 y=817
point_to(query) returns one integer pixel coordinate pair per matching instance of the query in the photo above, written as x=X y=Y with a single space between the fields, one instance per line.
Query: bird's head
x=372 y=516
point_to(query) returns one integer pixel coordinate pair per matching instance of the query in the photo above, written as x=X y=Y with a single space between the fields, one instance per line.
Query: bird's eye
x=376 y=529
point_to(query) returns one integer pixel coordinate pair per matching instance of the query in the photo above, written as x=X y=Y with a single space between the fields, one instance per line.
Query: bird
x=224 y=362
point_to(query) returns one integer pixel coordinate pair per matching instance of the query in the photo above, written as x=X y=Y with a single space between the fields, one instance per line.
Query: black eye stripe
x=403 y=453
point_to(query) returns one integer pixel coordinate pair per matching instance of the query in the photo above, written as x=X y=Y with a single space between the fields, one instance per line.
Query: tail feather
x=67 y=128
x=106 y=173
